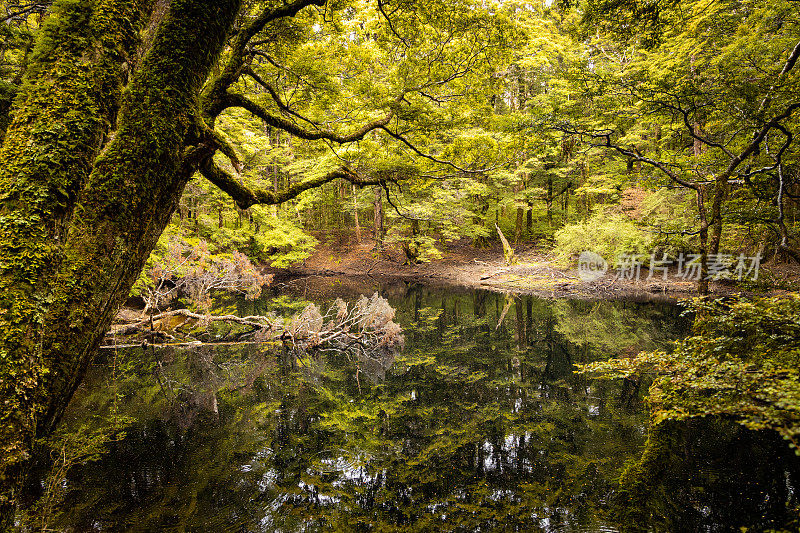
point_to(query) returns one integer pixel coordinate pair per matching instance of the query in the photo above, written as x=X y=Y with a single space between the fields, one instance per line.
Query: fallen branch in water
x=366 y=328
x=254 y=321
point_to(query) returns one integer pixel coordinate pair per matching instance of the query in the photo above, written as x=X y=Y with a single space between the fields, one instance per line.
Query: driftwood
x=146 y=325
x=254 y=321
x=495 y=273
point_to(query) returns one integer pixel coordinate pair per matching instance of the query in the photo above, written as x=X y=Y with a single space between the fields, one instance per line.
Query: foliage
x=741 y=362
x=192 y=271
x=496 y=132
x=668 y=214
x=607 y=233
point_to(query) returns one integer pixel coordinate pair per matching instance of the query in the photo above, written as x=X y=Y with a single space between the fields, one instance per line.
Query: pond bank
x=536 y=273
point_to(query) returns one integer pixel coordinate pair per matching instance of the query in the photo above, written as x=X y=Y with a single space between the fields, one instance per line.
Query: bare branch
x=420 y=153
x=389 y=23
x=23 y=10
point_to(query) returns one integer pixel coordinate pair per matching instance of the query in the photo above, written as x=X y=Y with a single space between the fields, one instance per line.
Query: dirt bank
x=535 y=273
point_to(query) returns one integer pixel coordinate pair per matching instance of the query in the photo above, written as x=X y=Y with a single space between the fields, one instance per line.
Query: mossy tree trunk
x=115 y=115
x=104 y=136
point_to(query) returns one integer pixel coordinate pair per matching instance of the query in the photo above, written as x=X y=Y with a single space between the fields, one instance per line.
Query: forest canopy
x=534 y=116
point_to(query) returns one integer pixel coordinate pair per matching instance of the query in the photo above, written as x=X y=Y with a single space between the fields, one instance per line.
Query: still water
x=479 y=424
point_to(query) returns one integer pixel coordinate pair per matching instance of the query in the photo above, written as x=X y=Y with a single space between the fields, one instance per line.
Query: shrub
x=606 y=233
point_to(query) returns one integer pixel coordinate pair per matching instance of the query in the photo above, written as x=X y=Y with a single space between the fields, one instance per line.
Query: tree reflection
x=479 y=425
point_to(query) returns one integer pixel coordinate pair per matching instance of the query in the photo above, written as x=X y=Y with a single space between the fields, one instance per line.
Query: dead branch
x=259 y=322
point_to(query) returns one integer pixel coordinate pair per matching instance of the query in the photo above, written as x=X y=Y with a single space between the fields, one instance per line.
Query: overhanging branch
x=246 y=197
x=238 y=100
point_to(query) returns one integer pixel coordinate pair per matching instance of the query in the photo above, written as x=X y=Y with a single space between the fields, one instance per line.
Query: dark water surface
x=478 y=425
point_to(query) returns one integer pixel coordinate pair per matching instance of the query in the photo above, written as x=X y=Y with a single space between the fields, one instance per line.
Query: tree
x=706 y=98
x=114 y=113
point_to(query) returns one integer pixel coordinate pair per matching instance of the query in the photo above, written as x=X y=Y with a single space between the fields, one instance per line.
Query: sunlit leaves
x=740 y=363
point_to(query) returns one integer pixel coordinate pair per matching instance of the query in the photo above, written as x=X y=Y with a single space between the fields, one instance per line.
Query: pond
x=479 y=424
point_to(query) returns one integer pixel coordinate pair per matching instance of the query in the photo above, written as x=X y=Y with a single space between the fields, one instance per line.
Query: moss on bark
x=92 y=168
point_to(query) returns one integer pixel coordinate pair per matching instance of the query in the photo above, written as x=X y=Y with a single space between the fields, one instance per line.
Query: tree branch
x=606 y=140
x=238 y=100
x=389 y=23
x=750 y=148
x=789 y=65
x=420 y=153
x=258 y=322
x=692 y=130
x=214 y=93
x=778 y=158
x=246 y=197
x=276 y=97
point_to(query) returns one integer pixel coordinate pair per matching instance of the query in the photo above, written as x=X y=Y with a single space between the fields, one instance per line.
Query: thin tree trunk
x=783 y=245
x=519 y=225
x=378 y=230
x=529 y=220
x=702 y=283
x=355 y=214
x=519 y=312
x=720 y=194
x=275 y=170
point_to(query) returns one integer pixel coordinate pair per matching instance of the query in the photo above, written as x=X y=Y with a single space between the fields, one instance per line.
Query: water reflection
x=478 y=425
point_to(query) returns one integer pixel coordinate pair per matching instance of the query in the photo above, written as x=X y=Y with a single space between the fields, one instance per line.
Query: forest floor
x=536 y=272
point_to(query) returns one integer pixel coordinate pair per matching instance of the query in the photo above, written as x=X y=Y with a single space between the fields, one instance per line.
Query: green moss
x=61 y=116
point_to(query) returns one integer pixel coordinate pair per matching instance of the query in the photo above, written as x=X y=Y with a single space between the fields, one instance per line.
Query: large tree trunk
x=82 y=206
